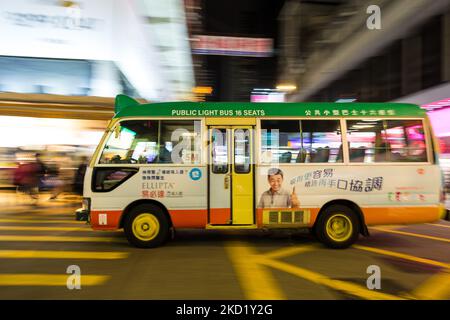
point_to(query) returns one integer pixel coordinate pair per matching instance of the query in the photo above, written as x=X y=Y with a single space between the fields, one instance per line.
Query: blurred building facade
x=69 y=59
x=95 y=48
x=63 y=62
x=328 y=51
x=233 y=76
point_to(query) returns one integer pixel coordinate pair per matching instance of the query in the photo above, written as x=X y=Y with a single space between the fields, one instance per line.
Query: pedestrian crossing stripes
x=26 y=228
x=49 y=280
x=19 y=220
x=44 y=254
x=58 y=238
x=23 y=225
x=417 y=235
x=439 y=225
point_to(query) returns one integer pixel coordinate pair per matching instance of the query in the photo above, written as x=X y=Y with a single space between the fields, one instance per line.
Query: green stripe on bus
x=237 y=109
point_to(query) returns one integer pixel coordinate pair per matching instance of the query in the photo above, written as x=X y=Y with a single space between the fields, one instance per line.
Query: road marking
x=26 y=228
x=350 y=288
x=391 y=227
x=285 y=252
x=403 y=256
x=40 y=221
x=59 y=239
x=250 y=269
x=438 y=225
x=412 y=234
x=29 y=254
x=39 y=214
x=39 y=217
x=48 y=280
x=256 y=281
x=435 y=288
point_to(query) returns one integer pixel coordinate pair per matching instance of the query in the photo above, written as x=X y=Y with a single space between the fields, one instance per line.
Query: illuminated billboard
x=232 y=46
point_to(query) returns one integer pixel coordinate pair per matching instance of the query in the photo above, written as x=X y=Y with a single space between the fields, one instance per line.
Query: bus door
x=231 y=183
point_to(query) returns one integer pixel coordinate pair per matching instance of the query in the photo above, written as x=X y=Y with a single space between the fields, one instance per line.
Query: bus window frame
x=110 y=130
x=432 y=148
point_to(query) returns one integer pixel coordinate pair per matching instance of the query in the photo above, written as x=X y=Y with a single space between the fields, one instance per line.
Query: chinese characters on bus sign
x=347 y=112
x=324 y=178
x=154 y=184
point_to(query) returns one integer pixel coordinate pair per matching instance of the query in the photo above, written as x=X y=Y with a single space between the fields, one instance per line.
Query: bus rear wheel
x=337 y=227
x=146 y=226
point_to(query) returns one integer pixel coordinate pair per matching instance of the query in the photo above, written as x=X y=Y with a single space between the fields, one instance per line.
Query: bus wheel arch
x=346 y=212
x=352 y=205
x=146 y=224
x=136 y=203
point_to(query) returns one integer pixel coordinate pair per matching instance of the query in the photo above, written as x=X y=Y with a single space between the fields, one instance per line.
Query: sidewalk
x=11 y=201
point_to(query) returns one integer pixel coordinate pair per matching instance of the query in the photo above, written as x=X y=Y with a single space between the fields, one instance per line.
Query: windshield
x=153 y=141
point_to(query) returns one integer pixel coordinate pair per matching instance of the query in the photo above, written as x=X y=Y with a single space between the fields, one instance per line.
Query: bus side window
x=340 y=155
x=286 y=157
x=322 y=140
x=291 y=141
x=301 y=157
x=321 y=155
x=179 y=142
x=242 y=155
x=407 y=140
x=219 y=151
x=107 y=179
x=280 y=140
x=357 y=154
x=376 y=140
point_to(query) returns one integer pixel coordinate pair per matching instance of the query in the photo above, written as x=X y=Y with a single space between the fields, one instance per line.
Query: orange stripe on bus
x=198 y=218
x=400 y=215
x=377 y=215
x=189 y=218
x=180 y=219
x=220 y=215
x=112 y=219
x=314 y=213
x=392 y=215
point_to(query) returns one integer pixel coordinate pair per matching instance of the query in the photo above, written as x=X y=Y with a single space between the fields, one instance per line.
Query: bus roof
x=128 y=107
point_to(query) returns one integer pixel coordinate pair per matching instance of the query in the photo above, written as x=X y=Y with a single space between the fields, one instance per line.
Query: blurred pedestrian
x=18 y=176
x=41 y=170
x=53 y=180
x=26 y=179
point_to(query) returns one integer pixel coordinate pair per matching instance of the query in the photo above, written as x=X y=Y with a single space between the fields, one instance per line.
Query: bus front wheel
x=146 y=226
x=337 y=227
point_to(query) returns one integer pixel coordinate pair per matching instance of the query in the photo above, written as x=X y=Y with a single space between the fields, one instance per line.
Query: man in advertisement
x=276 y=196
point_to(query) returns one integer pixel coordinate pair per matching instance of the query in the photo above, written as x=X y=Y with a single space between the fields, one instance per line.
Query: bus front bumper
x=84 y=213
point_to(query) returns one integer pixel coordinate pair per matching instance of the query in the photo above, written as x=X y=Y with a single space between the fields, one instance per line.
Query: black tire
x=152 y=216
x=341 y=215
